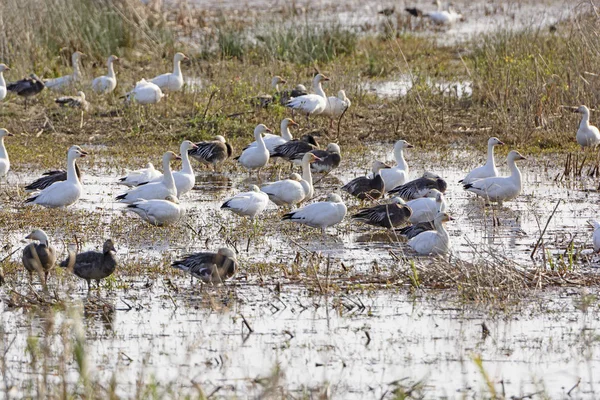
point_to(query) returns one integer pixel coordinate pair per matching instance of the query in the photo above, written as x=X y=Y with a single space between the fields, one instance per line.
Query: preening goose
x=3 y=91
x=212 y=152
x=385 y=215
x=272 y=141
x=106 y=83
x=172 y=81
x=62 y=193
x=329 y=159
x=320 y=215
x=256 y=157
x=40 y=257
x=144 y=93
x=485 y=171
x=336 y=106
x=93 y=264
x=398 y=175
x=294 y=150
x=4 y=161
x=420 y=187
x=247 y=204
x=364 y=187
x=500 y=188
x=157 y=212
x=61 y=83
x=425 y=209
x=139 y=176
x=433 y=242
x=311 y=104
x=154 y=190
x=184 y=179
x=50 y=177
x=209 y=267
x=27 y=87
x=287 y=95
x=78 y=101
x=289 y=192
x=595 y=235
x=587 y=135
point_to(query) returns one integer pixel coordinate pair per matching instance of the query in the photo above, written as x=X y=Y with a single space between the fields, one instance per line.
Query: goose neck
x=177 y=67
x=260 y=141
x=319 y=89
x=585 y=120
x=306 y=174
x=111 y=69
x=286 y=134
x=400 y=161
x=185 y=161
x=441 y=230
x=168 y=175
x=515 y=173
x=3 y=152
x=2 y=81
x=71 y=170
x=490 y=155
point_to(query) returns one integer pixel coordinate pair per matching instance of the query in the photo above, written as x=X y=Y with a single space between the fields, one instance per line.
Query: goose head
x=180 y=57
x=319 y=78
x=39 y=235
x=287 y=122
x=334 y=198
x=434 y=194
x=443 y=217
x=402 y=144
x=515 y=156
x=431 y=175
x=108 y=246
x=310 y=158
x=220 y=138
x=277 y=80
x=254 y=188
x=333 y=148
x=81 y=95
x=295 y=177
x=378 y=165
x=398 y=200
x=260 y=129
x=4 y=133
x=494 y=141
x=4 y=67
x=309 y=139
x=225 y=252
x=170 y=156
x=582 y=110
x=113 y=59
x=77 y=152
x=76 y=56
x=186 y=145
x=301 y=88
x=172 y=199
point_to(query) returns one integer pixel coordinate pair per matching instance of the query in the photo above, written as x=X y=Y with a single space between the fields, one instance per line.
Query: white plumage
x=63 y=193
x=289 y=192
x=485 y=171
x=139 y=176
x=320 y=215
x=3 y=91
x=256 y=157
x=184 y=179
x=272 y=141
x=247 y=204
x=311 y=104
x=171 y=81
x=433 y=242
x=145 y=93
x=63 y=82
x=596 y=235
x=156 y=211
x=336 y=105
x=445 y=17
x=426 y=208
x=4 y=161
x=398 y=175
x=587 y=135
x=154 y=190
x=500 y=188
x=106 y=83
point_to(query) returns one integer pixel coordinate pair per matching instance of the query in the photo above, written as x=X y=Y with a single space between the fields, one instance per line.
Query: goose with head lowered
x=40 y=257
x=256 y=157
x=587 y=135
x=184 y=179
x=435 y=242
x=364 y=187
x=488 y=169
x=93 y=265
x=311 y=104
x=3 y=90
x=499 y=189
x=247 y=204
x=211 y=268
x=336 y=106
x=140 y=176
x=62 y=193
x=158 y=212
x=212 y=152
x=4 y=160
x=289 y=192
x=106 y=83
x=388 y=216
x=154 y=190
x=171 y=81
x=61 y=83
x=398 y=175
x=420 y=187
x=144 y=93
x=426 y=208
x=320 y=215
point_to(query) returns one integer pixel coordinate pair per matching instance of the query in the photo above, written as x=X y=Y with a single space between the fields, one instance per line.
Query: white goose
x=320 y=215
x=500 y=188
x=255 y=157
x=4 y=161
x=311 y=104
x=426 y=208
x=61 y=83
x=433 y=242
x=154 y=190
x=156 y=211
x=487 y=170
x=139 y=176
x=145 y=92
x=587 y=135
x=336 y=106
x=3 y=67
x=398 y=175
x=106 y=83
x=272 y=141
x=184 y=179
x=172 y=81
x=289 y=192
x=63 y=193
x=247 y=204
x=596 y=235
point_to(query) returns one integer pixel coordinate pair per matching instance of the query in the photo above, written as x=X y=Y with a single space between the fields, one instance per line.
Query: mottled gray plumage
x=212 y=152
x=295 y=149
x=78 y=101
x=329 y=159
x=419 y=187
x=46 y=254
x=384 y=215
x=26 y=87
x=93 y=264
x=364 y=187
x=209 y=267
x=49 y=178
x=414 y=230
x=287 y=95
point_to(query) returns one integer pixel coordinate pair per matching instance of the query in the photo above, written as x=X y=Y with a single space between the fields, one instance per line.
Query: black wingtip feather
x=121 y=196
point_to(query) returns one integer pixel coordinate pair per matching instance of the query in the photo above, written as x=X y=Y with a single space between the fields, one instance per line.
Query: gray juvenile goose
x=209 y=267
x=212 y=152
x=27 y=87
x=93 y=264
x=385 y=215
x=39 y=255
x=364 y=187
x=419 y=187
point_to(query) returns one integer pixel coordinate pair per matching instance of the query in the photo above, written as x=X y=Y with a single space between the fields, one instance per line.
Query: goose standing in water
x=145 y=93
x=93 y=264
x=184 y=179
x=414 y=230
x=336 y=106
x=587 y=135
x=106 y=83
x=311 y=104
x=364 y=187
x=140 y=176
x=61 y=83
x=62 y=193
x=289 y=192
x=4 y=161
x=3 y=91
x=154 y=190
x=329 y=159
x=209 y=267
x=387 y=216
x=500 y=188
x=212 y=152
x=256 y=157
x=247 y=204
x=420 y=187
x=433 y=242
x=157 y=212
x=27 y=87
x=398 y=175
x=485 y=171
x=320 y=215
x=48 y=178
x=40 y=257
x=595 y=235
x=171 y=81
x=294 y=150
x=425 y=209
x=272 y=141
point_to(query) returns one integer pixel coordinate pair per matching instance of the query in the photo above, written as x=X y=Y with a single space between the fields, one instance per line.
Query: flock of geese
x=417 y=209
